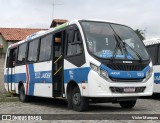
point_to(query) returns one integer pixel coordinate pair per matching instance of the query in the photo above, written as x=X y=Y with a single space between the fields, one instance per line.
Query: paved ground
x=58 y=106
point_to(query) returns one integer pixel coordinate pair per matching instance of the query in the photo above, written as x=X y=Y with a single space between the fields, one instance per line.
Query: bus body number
x=43 y=75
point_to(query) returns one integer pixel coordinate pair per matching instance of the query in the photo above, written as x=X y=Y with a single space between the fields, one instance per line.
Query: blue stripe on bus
x=35 y=77
x=77 y=74
x=32 y=79
x=45 y=77
x=157 y=78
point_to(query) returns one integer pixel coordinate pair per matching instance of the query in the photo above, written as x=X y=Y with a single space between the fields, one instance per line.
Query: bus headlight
x=94 y=67
x=100 y=71
x=149 y=73
x=104 y=73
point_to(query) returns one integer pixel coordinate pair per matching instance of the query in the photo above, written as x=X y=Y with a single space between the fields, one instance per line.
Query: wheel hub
x=76 y=98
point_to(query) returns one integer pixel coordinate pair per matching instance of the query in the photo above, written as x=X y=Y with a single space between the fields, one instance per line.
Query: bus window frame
x=19 y=64
x=27 y=47
x=8 y=57
x=156 y=53
x=105 y=60
x=29 y=62
x=40 y=48
x=73 y=27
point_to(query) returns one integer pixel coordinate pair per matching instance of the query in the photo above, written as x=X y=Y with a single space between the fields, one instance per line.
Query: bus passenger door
x=10 y=70
x=57 y=65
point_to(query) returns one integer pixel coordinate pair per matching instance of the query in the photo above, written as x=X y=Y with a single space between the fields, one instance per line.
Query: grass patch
x=7 y=97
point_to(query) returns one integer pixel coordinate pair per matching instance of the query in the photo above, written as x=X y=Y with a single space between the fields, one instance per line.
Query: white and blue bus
x=153 y=48
x=82 y=61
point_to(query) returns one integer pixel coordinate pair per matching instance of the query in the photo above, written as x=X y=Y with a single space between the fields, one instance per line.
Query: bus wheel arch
x=75 y=100
x=21 y=90
x=70 y=86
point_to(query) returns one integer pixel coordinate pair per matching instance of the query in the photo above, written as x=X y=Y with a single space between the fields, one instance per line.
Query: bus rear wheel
x=22 y=96
x=127 y=104
x=79 y=103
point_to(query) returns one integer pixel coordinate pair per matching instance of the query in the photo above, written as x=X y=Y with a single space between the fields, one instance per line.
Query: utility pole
x=53 y=9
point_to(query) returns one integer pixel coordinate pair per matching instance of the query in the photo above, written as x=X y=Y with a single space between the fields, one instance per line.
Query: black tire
x=22 y=96
x=127 y=104
x=79 y=103
x=156 y=95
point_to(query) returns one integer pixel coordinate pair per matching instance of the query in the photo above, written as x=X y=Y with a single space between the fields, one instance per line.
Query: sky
x=137 y=14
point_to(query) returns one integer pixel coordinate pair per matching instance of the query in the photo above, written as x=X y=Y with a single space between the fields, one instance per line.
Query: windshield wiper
x=116 y=49
x=140 y=58
x=124 y=43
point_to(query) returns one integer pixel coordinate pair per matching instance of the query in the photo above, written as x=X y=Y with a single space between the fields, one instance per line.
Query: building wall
x=5 y=45
x=2 y=56
x=1 y=43
x=1 y=69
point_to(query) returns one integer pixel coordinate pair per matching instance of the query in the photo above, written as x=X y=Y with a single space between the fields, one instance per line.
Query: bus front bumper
x=100 y=87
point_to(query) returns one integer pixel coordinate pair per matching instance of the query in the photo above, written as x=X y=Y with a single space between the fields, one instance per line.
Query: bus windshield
x=108 y=41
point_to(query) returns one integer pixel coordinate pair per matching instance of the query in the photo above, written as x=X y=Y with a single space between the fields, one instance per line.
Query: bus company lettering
x=157 y=78
x=43 y=75
x=140 y=74
x=71 y=73
x=37 y=75
x=46 y=75
x=115 y=73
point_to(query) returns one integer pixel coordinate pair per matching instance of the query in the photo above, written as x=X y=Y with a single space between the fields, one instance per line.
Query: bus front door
x=57 y=69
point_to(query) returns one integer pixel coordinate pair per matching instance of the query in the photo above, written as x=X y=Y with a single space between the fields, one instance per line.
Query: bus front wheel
x=22 y=96
x=127 y=104
x=79 y=103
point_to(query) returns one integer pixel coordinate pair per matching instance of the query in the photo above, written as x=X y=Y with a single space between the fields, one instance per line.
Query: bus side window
x=45 y=48
x=8 y=60
x=74 y=43
x=152 y=52
x=11 y=57
x=159 y=54
x=21 y=54
x=33 y=50
x=14 y=57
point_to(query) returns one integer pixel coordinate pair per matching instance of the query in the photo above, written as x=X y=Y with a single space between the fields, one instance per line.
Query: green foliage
x=140 y=34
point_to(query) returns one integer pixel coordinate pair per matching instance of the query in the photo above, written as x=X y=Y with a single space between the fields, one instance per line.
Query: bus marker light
x=83 y=87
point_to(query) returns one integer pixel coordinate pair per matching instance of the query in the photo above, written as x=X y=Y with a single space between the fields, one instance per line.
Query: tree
x=140 y=34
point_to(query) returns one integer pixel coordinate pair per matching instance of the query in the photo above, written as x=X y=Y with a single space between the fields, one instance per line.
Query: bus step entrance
x=57 y=70
x=57 y=86
x=57 y=93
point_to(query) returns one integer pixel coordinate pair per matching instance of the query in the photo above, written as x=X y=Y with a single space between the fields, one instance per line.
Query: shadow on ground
x=93 y=108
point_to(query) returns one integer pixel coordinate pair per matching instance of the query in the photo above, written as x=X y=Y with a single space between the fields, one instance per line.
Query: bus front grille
x=126 y=67
x=126 y=80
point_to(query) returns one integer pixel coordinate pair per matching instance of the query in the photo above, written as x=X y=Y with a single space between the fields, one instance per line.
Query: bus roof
x=151 y=41
x=44 y=32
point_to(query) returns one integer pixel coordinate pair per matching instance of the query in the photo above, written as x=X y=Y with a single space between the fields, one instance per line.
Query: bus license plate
x=129 y=89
